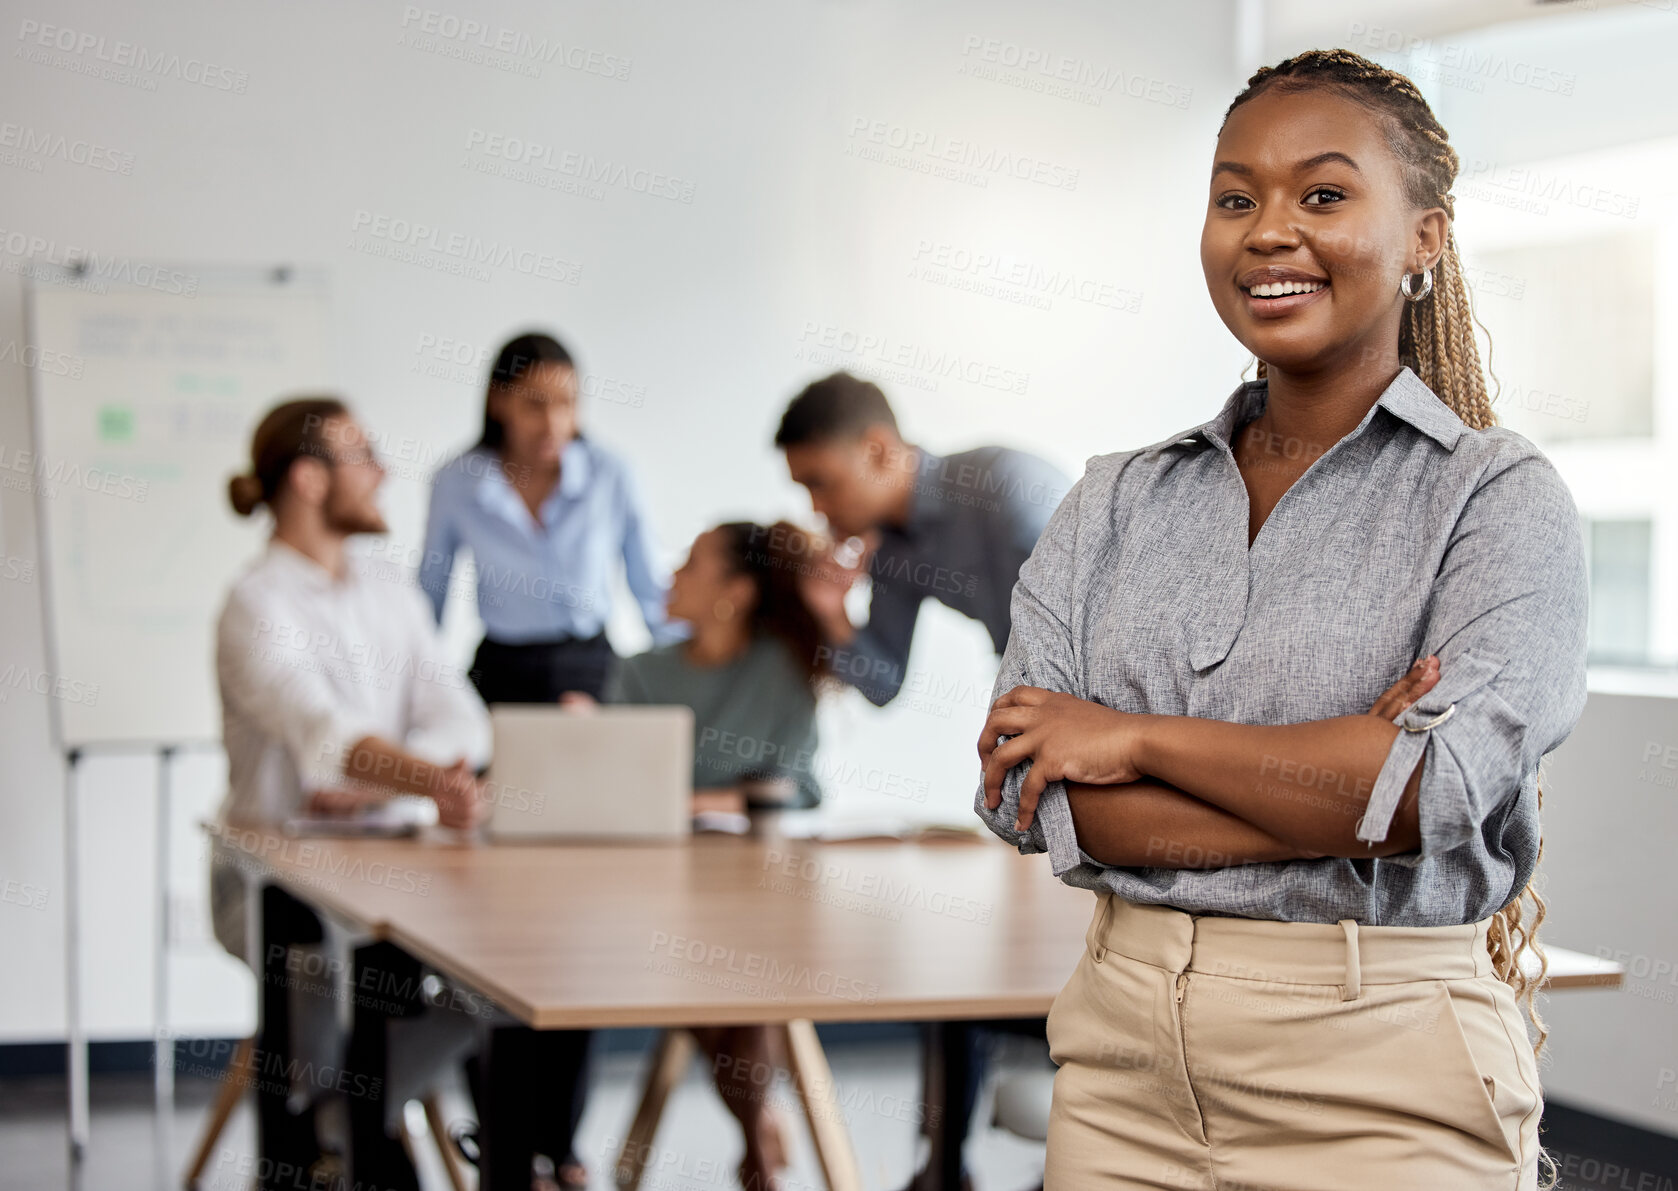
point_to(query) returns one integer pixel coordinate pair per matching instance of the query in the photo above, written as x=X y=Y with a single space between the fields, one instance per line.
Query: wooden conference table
x=721 y=930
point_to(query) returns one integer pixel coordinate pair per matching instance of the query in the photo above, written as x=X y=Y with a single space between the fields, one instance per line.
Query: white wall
x=1610 y=816
x=706 y=310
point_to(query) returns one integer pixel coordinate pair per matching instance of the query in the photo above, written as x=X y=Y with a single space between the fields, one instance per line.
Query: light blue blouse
x=540 y=580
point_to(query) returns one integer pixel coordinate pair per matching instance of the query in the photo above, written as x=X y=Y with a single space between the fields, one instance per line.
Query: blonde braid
x=1436 y=340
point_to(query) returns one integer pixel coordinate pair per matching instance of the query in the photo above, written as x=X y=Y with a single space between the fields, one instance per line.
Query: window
x=1618 y=554
x=1573 y=349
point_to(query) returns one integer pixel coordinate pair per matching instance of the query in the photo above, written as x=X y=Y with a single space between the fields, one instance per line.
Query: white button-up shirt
x=308 y=665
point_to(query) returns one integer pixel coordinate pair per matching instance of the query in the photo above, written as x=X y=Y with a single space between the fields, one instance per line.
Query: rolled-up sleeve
x=1040 y=653
x=1508 y=619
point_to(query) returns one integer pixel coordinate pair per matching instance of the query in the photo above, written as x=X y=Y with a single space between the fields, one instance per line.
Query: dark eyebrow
x=1310 y=163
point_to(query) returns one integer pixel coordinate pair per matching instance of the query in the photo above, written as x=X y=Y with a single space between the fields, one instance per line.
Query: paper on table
x=729 y=822
x=816 y=825
x=401 y=815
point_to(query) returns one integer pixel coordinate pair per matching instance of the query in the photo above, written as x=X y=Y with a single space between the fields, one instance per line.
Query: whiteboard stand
x=163 y=1044
x=163 y=1081
x=76 y=1050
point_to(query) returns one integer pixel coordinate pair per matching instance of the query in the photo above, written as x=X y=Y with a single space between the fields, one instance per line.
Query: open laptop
x=605 y=773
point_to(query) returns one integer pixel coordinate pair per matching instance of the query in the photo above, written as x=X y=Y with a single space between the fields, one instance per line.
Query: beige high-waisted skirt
x=1237 y=1055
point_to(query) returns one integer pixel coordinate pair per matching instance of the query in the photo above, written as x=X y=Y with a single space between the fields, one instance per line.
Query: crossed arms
x=1179 y=792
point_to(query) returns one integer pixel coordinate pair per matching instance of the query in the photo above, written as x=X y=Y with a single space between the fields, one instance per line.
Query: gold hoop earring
x=723 y=609
x=1427 y=285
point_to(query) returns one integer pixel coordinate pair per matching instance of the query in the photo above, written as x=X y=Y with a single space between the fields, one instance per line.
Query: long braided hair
x=1436 y=341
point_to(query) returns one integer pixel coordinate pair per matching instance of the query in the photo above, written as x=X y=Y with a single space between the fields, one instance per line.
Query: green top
x=754 y=716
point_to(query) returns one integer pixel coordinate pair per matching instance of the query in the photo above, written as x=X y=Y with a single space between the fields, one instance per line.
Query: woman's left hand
x=1065 y=737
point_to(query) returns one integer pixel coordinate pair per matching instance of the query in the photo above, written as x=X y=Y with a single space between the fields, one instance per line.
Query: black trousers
x=957 y=1055
x=530 y=1086
x=541 y=671
x=286 y=1142
x=383 y=983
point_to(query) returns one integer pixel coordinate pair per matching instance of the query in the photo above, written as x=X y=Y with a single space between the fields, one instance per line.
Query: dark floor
x=697 y=1144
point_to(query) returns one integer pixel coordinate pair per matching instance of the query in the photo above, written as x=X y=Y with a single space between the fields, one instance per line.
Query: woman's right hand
x=1417 y=681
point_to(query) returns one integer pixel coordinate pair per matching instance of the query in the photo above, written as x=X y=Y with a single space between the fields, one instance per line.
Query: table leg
x=814 y=1080
x=670 y=1063
x=234 y=1082
x=439 y=1126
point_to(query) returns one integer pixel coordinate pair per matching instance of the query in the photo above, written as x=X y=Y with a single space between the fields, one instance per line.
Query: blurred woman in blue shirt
x=547 y=515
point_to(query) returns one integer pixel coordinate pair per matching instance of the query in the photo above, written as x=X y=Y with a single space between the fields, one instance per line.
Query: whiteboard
x=144 y=400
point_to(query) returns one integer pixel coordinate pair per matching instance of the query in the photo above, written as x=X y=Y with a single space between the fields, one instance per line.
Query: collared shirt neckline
x=308 y=572
x=1406 y=398
x=496 y=491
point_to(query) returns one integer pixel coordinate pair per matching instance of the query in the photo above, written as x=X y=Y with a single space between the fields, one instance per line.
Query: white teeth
x=1275 y=289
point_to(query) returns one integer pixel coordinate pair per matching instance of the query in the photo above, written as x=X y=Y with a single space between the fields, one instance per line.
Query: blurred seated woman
x=751 y=671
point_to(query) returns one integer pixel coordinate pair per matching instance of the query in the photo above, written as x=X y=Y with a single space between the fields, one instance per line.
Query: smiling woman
x=1308 y=804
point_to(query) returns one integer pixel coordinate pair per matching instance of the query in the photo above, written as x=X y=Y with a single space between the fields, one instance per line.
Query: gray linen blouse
x=1411 y=535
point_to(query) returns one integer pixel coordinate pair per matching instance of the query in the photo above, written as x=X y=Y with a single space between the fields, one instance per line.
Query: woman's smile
x=1282 y=304
x=1278 y=291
